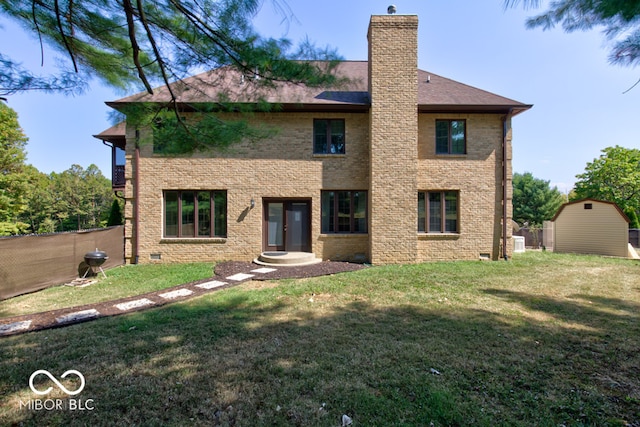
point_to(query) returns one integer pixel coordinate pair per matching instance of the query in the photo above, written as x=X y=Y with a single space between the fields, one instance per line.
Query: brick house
x=401 y=166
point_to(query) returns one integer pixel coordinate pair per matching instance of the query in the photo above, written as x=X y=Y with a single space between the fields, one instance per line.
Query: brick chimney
x=393 y=129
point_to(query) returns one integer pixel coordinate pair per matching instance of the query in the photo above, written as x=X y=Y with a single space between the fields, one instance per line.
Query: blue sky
x=579 y=105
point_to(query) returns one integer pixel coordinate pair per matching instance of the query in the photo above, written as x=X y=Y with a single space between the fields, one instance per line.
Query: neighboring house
x=591 y=226
x=401 y=166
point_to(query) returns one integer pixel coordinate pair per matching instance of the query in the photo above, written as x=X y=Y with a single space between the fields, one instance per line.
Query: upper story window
x=451 y=137
x=328 y=136
x=195 y=213
x=438 y=212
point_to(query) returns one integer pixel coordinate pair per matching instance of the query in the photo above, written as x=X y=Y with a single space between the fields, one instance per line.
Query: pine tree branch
x=156 y=51
x=64 y=37
x=128 y=10
x=163 y=70
x=215 y=36
x=634 y=85
x=35 y=23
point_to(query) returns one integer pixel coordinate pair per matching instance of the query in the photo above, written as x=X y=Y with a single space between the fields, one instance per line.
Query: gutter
x=506 y=119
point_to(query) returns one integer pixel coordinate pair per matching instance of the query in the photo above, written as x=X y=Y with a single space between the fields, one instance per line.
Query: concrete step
x=286 y=259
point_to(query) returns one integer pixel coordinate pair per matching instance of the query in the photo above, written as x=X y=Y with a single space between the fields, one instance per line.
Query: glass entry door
x=275 y=226
x=287 y=225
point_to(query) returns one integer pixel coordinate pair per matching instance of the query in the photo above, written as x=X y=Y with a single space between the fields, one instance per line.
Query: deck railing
x=117 y=179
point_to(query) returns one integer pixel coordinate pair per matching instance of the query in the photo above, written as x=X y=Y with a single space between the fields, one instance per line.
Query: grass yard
x=123 y=281
x=543 y=340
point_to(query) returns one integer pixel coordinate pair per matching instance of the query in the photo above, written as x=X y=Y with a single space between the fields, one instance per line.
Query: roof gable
x=590 y=200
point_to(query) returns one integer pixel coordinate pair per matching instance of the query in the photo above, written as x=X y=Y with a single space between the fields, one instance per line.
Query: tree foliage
x=619 y=20
x=34 y=202
x=133 y=43
x=115 y=214
x=614 y=177
x=39 y=211
x=75 y=199
x=13 y=182
x=146 y=43
x=82 y=198
x=534 y=201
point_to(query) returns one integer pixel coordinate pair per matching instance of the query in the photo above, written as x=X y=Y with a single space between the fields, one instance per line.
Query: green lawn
x=543 y=340
x=123 y=281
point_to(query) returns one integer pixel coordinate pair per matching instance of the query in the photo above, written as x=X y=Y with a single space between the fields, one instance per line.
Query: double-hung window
x=438 y=212
x=451 y=137
x=190 y=213
x=328 y=136
x=344 y=211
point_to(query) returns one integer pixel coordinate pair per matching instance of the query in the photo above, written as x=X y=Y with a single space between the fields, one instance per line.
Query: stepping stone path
x=64 y=317
x=211 y=285
x=10 y=328
x=176 y=294
x=77 y=316
x=240 y=277
x=126 y=306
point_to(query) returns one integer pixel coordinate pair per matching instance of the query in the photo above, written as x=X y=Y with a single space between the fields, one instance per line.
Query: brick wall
x=393 y=88
x=477 y=176
x=280 y=167
x=390 y=152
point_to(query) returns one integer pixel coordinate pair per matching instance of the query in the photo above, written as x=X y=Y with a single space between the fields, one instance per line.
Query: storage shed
x=591 y=226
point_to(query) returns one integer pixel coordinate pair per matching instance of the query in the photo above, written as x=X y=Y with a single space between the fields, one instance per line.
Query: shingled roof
x=435 y=93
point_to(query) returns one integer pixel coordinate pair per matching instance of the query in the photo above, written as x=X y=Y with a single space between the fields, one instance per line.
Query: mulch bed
x=46 y=320
x=324 y=268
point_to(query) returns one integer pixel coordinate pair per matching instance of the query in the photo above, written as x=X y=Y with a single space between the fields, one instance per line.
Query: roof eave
x=281 y=107
x=465 y=108
x=361 y=107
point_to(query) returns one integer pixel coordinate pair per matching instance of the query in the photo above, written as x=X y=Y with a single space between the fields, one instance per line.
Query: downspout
x=136 y=204
x=506 y=119
x=119 y=196
x=112 y=162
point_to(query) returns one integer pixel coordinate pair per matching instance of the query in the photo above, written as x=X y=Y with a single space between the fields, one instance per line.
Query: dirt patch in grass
x=226 y=269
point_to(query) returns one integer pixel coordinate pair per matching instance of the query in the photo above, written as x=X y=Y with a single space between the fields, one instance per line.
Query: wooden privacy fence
x=540 y=238
x=532 y=238
x=634 y=237
x=31 y=263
